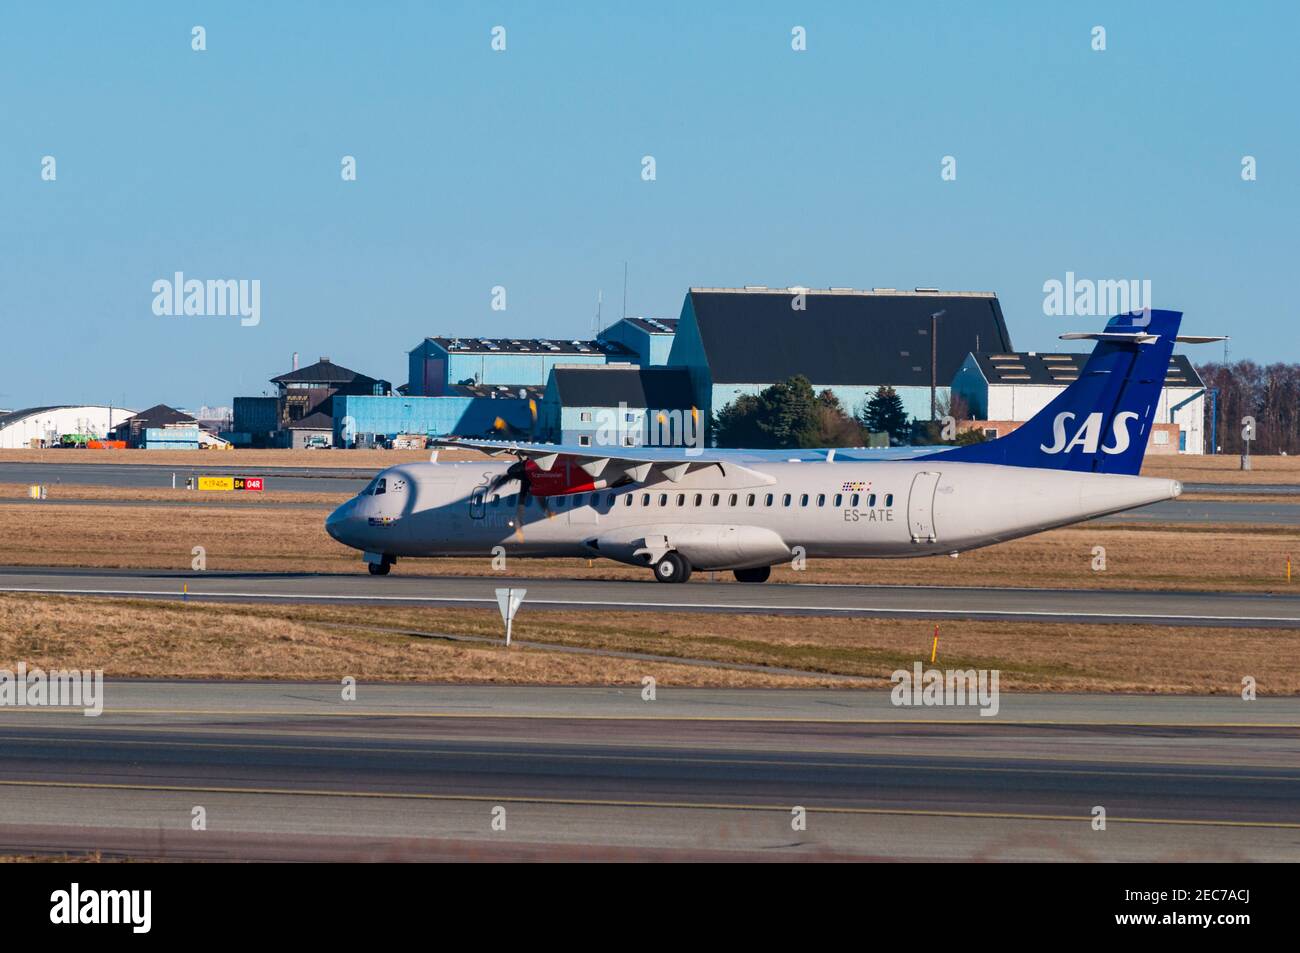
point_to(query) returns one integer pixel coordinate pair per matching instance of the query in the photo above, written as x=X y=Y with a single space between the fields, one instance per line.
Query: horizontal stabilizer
x=1123 y=337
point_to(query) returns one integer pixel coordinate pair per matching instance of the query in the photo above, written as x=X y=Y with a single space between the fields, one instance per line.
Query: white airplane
x=675 y=510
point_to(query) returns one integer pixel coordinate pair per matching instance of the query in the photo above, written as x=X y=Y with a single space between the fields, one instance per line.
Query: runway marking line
x=678 y=759
x=665 y=805
x=711 y=606
x=754 y=719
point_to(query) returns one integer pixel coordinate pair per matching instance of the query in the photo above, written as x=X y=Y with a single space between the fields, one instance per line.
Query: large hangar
x=47 y=424
x=1004 y=389
x=738 y=341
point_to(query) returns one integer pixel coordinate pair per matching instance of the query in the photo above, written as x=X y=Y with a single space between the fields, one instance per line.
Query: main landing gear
x=672 y=567
x=380 y=566
x=760 y=574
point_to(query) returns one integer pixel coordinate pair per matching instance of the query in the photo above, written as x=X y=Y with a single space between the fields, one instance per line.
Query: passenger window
x=871 y=500
x=731 y=500
x=767 y=500
x=715 y=500
x=627 y=499
x=681 y=499
x=749 y=500
x=853 y=500
x=645 y=499
x=699 y=499
x=785 y=500
x=496 y=499
x=839 y=499
x=889 y=499
x=663 y=499
x=821 y=499
x=803 y=499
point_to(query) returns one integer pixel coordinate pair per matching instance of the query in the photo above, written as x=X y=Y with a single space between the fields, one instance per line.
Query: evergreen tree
x=884 y=413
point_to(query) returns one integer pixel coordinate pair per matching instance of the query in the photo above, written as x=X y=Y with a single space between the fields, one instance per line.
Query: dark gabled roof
x=316 y=421
x=654 y=325
x=608 y=385
x=1060 y=367
x=323 y=371
x=159 y=415
x=755 y=336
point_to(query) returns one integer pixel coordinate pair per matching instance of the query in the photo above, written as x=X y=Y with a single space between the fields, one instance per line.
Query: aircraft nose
x=336 y=522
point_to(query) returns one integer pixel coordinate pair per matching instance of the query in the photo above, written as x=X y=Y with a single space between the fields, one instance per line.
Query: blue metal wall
x=431 y=365
x=432 y=416
x=652 y=350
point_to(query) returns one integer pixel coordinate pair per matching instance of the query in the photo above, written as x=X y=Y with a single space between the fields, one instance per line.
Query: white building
x=19 y=428
x=1013 y=386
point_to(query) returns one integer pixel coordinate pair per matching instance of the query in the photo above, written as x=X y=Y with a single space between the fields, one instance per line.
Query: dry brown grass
x=281 y=539
x=1223 y=468
x=197 y=640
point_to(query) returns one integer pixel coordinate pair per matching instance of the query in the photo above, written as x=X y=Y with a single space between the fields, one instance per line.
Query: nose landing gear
x=379 y=565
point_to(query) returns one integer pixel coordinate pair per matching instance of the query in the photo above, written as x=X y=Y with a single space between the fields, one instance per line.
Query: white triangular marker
x=508 y=601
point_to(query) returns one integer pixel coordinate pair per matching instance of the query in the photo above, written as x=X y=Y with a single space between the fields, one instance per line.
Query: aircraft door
x=920 y=507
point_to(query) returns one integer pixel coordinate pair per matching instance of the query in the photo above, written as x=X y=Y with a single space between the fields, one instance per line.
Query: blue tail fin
x=1102 y=421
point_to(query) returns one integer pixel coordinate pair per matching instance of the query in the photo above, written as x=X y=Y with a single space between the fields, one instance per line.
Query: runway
x=291 y=771
x=1218 y=609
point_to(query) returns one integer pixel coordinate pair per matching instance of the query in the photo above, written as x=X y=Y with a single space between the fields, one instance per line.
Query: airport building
x=159 y=428
x=738 y=341
x=650 y=339
x=438 y=365
x=1002 y=389
x=468 y=411
x=46 y=426
x=302 y=393
x=619 y=405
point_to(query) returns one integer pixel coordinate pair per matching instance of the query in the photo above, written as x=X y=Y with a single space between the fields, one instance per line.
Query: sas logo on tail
x=1089 y=434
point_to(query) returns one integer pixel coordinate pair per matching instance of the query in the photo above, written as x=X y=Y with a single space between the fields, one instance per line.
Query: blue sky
x=522 y=169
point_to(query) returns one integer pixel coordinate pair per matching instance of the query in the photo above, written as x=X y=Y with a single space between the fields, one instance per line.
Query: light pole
x=934 y=361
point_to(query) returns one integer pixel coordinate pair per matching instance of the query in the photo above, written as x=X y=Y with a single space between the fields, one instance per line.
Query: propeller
x=518 y=471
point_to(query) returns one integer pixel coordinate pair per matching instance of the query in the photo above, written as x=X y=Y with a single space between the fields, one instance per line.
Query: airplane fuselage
x=732 y=518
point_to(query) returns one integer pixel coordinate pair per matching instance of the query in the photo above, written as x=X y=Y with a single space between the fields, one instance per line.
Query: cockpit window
x=370 y=487
x=381 y=486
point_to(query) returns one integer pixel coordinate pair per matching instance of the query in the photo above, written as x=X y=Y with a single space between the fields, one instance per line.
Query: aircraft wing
x=637 y=464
